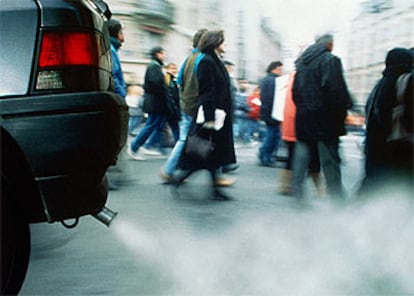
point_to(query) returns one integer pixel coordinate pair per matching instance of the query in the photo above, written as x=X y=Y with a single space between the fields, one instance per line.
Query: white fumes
x=326 y=249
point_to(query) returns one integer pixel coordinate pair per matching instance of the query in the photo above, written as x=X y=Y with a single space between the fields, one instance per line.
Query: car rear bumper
x=69 y=141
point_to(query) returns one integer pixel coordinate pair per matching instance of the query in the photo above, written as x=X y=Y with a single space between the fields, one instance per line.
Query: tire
x=15 y=248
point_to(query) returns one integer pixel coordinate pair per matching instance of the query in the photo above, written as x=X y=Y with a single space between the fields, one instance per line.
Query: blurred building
x=381 y=26
x=251 y=42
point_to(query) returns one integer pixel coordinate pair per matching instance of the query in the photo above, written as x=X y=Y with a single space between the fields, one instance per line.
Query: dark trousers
x=330 y=163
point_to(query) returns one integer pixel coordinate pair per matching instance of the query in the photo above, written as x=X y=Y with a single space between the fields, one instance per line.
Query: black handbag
x=199 y=149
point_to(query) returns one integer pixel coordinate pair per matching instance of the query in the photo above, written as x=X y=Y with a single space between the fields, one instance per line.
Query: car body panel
x=84 y=129
x=18 y=31
x=59 y=142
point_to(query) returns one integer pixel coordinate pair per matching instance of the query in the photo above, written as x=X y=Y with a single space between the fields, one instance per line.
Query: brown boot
x=318 y=181
x=285 y=182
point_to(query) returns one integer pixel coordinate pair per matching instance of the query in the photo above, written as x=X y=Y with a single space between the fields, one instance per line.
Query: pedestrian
x=229 y=65
x=162 y=136
x=173 y=100
x=255 y=128
x=134 y=100
x=188 y=84
x=155 y=105
x=388 y=152
x=321 y=97
x=233 y=84
x=289 y=137
x=241 y=111
x=115 y=173
x=270 y=144
x=117 y=37
x=214 y=94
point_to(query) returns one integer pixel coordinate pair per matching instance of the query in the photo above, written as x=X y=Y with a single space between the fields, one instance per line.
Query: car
x=62 y=125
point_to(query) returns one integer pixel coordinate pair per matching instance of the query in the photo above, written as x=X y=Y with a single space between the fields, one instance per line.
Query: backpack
x=399 y=130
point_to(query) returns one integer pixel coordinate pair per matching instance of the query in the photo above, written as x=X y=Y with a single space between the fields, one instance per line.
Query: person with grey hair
x=322 y=99
x=326 y=39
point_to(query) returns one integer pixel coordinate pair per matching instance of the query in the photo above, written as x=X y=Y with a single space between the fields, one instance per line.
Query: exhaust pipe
x=105 y=216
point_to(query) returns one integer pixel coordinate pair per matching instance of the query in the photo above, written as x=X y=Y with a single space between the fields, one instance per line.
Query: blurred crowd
x=304 y=111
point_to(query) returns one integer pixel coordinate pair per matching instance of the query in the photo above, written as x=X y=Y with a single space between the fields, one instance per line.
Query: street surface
x=181 y=243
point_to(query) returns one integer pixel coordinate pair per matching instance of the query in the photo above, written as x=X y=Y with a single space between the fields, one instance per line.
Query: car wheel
x=15 y=248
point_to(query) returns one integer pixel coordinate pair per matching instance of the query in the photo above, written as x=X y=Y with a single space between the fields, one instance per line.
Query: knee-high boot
x=285 y=182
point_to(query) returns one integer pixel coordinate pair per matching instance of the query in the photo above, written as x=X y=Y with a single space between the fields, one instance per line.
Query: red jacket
x=288 y=124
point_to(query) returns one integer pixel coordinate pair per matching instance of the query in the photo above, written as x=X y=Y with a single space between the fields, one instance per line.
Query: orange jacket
x=289 y=113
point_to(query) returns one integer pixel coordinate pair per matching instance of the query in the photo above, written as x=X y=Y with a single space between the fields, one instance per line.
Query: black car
x=62 y=125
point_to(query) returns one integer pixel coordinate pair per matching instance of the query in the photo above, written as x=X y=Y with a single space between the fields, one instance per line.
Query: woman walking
x=214 y=94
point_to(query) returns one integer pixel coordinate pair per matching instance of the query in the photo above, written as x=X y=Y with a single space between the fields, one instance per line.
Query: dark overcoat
x=214 y=93
x=267 y=95
x=155 y=101
x=320 y=95
x=388 y=160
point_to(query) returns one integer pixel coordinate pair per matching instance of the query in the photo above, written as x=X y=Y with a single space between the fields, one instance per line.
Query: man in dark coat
x=267 y=92
x=155 y=104
x=322 y=99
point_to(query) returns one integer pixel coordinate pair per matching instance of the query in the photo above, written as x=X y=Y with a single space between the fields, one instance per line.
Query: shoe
x=168 y=179
x=220 y=196
x=230 y=167
x=149 y=152
x=224 y=182
x=135 y=155
x=269 y=164
x=180 y=177
x=260 y=157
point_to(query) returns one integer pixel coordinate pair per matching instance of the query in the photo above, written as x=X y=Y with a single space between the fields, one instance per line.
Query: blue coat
x=120 y=85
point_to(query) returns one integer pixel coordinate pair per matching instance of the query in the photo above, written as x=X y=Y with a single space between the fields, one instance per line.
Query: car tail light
x=68 y=49
x=65 y=58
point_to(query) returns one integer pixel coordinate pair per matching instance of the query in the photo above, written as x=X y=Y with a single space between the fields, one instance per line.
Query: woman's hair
x=211 y=40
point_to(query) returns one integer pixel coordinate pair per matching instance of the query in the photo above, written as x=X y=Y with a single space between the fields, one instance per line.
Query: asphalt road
x=261 y=243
